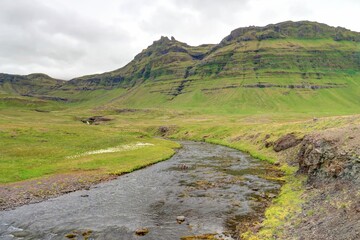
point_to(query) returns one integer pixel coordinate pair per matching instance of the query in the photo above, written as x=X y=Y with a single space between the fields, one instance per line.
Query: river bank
x=37 y=190
x=320 y=158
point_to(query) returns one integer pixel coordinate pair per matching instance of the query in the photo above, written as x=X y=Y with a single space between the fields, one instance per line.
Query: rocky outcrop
x=95 y=120
x=289 y=29
x=166 y=130
x=334 y=154
x=285 y=142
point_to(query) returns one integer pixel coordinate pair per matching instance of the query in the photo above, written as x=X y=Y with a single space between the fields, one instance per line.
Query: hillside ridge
x=184 y=59
x=274 y=67
x=290 y=29
x=165 y=45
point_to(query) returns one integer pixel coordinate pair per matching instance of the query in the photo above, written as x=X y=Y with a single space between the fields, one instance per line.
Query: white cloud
x=66 y=38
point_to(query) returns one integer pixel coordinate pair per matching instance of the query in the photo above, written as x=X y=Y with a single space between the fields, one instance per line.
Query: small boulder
x=71 y=235
x=142 y=231
x=277 y=163
x=271 y=195
x=180 y=219
x=285 y=142
x=163 y=130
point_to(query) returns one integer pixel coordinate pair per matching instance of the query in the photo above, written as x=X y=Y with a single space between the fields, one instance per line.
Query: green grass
x=218 y=83
x=282 y=209
x=38 y=144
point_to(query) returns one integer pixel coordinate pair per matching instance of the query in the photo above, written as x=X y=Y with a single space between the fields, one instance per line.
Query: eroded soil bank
x=331 y=210
x=216 y=189
x=321 y=158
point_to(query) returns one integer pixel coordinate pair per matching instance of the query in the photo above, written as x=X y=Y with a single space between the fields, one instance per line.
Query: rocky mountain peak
x=162 y=46
x=289 y=29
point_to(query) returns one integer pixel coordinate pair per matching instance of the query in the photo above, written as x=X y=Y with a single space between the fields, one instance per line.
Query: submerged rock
x=142 y=231
x=71 y=235
x=21 y=234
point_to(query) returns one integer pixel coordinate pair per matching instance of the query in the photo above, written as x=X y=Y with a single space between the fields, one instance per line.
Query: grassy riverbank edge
x=38 y=189
x=282 y=208
x=258 y=138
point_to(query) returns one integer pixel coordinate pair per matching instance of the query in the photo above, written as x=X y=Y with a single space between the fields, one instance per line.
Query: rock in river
x=180 y=219
x=142 y=231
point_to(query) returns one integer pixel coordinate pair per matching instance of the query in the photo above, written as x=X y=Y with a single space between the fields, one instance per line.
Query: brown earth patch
x=37 y=190
x=96 y=120
x=331 y=209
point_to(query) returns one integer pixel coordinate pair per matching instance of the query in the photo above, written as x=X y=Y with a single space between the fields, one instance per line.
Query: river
x=212 y=186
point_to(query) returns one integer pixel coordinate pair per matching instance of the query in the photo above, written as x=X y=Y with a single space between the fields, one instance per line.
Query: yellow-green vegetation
x=34 y=144
x=282 y=209
x=200 y=237
x=248 y=134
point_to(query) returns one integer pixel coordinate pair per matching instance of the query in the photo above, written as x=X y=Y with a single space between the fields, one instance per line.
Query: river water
x=212 y=186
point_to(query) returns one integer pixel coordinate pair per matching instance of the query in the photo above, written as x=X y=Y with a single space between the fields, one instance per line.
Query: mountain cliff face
x=279 y=66
x=164 y=59
x=298 y=45
x=299 y=30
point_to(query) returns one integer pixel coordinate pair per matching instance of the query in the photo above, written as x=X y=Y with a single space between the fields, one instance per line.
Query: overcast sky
x=70 y=38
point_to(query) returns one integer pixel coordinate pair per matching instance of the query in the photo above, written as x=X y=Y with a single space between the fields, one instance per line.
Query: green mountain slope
x=285 y=67
x=306 y=67
x=36 y=83
x=165 y=59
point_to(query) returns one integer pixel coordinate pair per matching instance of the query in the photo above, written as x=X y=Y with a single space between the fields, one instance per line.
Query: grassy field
x=34 y=144
x=38 y=144
x=54 y=140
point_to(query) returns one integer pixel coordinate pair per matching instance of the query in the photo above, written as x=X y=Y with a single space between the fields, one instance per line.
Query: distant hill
x=289 y=66
x=36 y=83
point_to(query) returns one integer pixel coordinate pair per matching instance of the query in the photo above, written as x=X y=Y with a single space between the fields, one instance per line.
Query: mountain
x=171 y=59
x=164 y=59
x=36 y=83
x=289 y=66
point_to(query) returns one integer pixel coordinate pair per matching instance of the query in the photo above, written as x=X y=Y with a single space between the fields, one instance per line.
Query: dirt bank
x=331 y=159
x=37 y=190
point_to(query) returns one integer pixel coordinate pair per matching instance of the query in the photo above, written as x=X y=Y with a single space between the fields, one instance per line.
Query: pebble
x=180 y=219
x=271 y=195
x=20 y=234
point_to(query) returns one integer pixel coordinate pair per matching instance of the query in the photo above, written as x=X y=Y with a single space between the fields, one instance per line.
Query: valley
x=287 y=94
